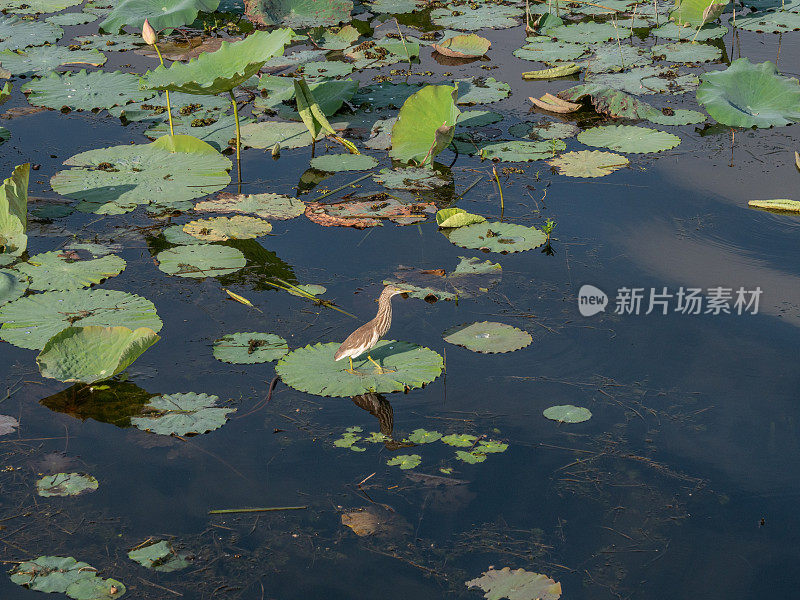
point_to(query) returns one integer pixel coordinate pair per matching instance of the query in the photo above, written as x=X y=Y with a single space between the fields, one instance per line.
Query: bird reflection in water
x=380 y=408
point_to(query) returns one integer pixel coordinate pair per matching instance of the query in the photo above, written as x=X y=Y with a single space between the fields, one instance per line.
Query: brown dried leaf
x=182 y=50
x=368 y=212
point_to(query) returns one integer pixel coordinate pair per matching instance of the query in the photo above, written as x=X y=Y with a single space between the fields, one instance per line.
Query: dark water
x=684 y=482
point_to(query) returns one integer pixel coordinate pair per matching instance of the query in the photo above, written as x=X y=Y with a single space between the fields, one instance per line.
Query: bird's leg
x=381 y=370
x=351 y=370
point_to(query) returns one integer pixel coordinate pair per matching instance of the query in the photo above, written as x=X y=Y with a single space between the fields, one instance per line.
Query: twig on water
x=227 y=511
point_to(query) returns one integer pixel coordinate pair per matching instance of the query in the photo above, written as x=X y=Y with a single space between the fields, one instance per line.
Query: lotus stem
x=166 y=93
x=238 y=138
x=500 y=188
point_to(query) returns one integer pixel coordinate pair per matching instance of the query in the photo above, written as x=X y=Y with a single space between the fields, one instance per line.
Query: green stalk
x=500 y=189
x=238 y=137
x=166 y=92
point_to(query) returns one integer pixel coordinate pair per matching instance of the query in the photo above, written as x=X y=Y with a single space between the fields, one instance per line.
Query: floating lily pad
x=349 y=439
x=460 y=440
x=472 y=457
x=491 y=446
x=405 y=461
x=648 y=80
x=567 y=413
x=393 y=7
x=750 y=95
x=515 y=151
x=31 y=7
x=159 y=556
x=488 y=337
x=687 y=52
x=471 y=17
x=201 y=260
x=219 y=229
x=481 y=90
x=31 y=321
x=114 y=180
x=564 y=70
x=298 y=13
x=161 y=14
x=92 y=353
x=174 y=234
x=770 y=21
x=268 y=133
x=12 y=285
x=612 y=57
x=677 y=116
x=478 y=118
x=545 y=130
x=51 y=573
x=468 y=45
x=628 y=138
x=588 y=32
x=65 y=484
x=95 y=588
x=312 y=369
x=457 y=217
x=777 y=205
x=39 y=61
x=425 y=125
x=335 y=38
x=497 y=237
x=327 y=68
x=249 y=348
x=516 y=585
x=110 y=43
x=423 y=436
x=8 y=424
x=57 y=271
x=182 y=414
x=411 y=178
x=16 y=33
x=85 y=91
x=266 y=206
x=588 y=163
x=546 y=50
x=673 y=31
x=368 y=211
x=71 y=19
x=385 y=95
x=334 y=163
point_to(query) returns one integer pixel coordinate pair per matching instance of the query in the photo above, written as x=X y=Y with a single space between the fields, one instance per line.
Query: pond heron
x=365 y=337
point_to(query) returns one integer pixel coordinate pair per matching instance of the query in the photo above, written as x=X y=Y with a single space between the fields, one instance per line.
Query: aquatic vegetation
x=14 y=214
x=159 y=556
x=298 y=13
x=163 y=14
x=52 y=271
x=468 y=45
x=18 y=34
x=182 y=414
x=492 y=236
x=628 y=138
x=425 y=125
x=777 y=205
x=516 y=584
x=200 y=260
x=266 y=206
x=423 y=436
x=588 y=163
x=249 y=348
x=65 y=484
x=65 y=575
x=40 y=61
x=457 y=217
x=219 y=229
x=85 y=90
x=567 y=413
x=488 y=337
x=405 y=461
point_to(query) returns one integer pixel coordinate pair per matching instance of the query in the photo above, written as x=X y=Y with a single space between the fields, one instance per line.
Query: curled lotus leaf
x=219 y=229
x=488 y=337
x=65 y=484
x=405 y=366
x=588 y=163
x=200 y=260
x=567 y=413
x=59 y=271
x=457 y=217
x=492 y=236
x=182 y=414
x=516 y=585
x=249 y=348
x=85 y=91
x=425 y=125
x=777 y=205
x=469 y=45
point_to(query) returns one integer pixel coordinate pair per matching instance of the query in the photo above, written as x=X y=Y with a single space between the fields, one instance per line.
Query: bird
x=365 y=337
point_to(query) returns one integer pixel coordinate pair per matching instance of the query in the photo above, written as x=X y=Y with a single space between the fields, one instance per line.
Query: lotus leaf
x=478 y=118
x=161 y=14
x=460 y=440
x=201 y=260
x=588 y=32
x=423 y=436
x=114 y=180
x=189 y=106
x=159 y=556
x=75 y=18
x=39 y=61
x=335 y=38
x=553 y=72
x=687 y=52
x=65 y=484
x=327 y=68
x=51 y=573
x=472 y=457
x=220 y=71
x=491 y=446
x=312 y=369
x=628 y=138
x=777 y=205
x=648 y=80
x=334 y=163
x=298 y=13
x=405 y=461
x=497 y=237
x=218 y=134
x=468 y=45
x=30 y=7
x=268 y=133
x=488 y=337
x=16 y=34
x=8 y=424
x=750 y=95
x=677 y=116
x=471 y=17
x=516 y=585
x=697 y=12
x=110 y=43
x=567 y=413
x=385 y=95
x=394 y=7
x=481 y=90
x=369 y=211
x=266 y=206
x=250 y=348
x=607 y=101
x=673 y=31
x=425 y=125
x=219 y=229
x=515 y=151
x=14 y=213
x=95 y=588
x=85 y=91
x=411 y=178
x=57 y=271
x=174 y=234
x=182 y=414
x=349 y=439
x=457 y=217
x=544 y=130
x=588 y=163
x=547 y=51
x=612 y=57
x=12 y=285
x=770 y=21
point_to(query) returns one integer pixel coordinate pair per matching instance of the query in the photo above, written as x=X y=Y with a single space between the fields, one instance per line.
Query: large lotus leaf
x=472 y=17
x=516 y=585
x=39 y=61
x=588 y=163
x=299 y=13
x=750 y=95
x=268 y=133
x=405 y=366
x=589 y=32
x=673 y=116
x=14 y=213
x=770 y=21
x=218 y=134
x=516 y=151
x=613 y=57
x=673 y=31
x=266 y=206
x=481 y=90
x=30 y=7
x=31 y=321
x=95 y=588
x=12 y=285
x=65 y=484
x=190 y=106
x=220 y=71
x=411 y=178
x=393 y=7
x=161 y=14
x=201 y=260
x=687 y=52
x=425 y=125
x=16 y=34
x=488 y=337
x=497 y=237
x=93 y=353
x=548 y=51
x=219 y=229
x=51 y=573
x=116 y=179
x=648 y=80
x=159 y=556
x=182 y=414
x=327 y=68
x=628 y=138
x=697 y=12
x=249 y=348
x=567 y=413
x=85 y=91
x=386 y=51
x=57 y=271
x=468 y=45
x=335 y=38
x=334 y=163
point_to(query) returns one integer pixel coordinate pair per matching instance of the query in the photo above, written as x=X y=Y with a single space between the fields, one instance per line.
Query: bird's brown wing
x=360 y=338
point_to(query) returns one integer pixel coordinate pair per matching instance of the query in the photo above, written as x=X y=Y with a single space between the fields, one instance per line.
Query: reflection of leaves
x=114 y=402
x=262 y=266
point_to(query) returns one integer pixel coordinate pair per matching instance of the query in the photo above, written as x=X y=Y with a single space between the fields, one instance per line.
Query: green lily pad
x=648 y=80
x=516 y=151
x=312 y=369
x=516 y=585
x=185 y=108
x=697 y=12
x=161 y=14
x=95 y=588
x=491 y=446
x=750 y=95
x=16 y=33
x=266 y=206
x=51 y=573
x=12 y=285
x=39 y=61
x=335 y=163
x=31 y=321
x=93 y=352
x=32 y=7
x=673 y=31
x=349 y=439
x=457 y=217
x=335 y=38
x=589 y=32
x=218 y=134
x=628 y=138
x=410 y=178
x=687 y=52
x=608 y=101
x=425 y=125
x=472 y=17
x=567 y=413
x=546 y=50
x=613 y=57
x=423 y=436
x=405 y=461
x=65 y=484
x=250 y=348
x=159 y=556
x=459 y=440
x=327 y=68
x=588 y=163
x=114 y=180
x=201 y=260
x=220 y=229
x=70 y=19
x=377 y=438
x=488 y=337
x=393 y=7
x=110 y=43
x=563 y=70
x=298 y=13
x=677 y=116
x=481 y=90
x=182 y=414
x=545 y=130
x=385 y=95
x=266 y=134
x=776 y=20
x=472 y=457
x=85 y=91
x=55 y=271
x=174 y=234
x=497 y=237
